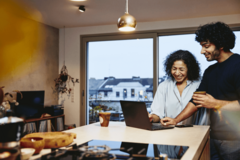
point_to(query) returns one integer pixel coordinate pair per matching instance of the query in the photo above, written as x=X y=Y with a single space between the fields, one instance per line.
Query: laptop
x=136 y=115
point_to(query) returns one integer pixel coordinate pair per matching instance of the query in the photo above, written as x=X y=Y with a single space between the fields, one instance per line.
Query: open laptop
x=136 y=115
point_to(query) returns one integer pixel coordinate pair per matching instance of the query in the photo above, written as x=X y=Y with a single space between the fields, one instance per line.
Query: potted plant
x=63 y=80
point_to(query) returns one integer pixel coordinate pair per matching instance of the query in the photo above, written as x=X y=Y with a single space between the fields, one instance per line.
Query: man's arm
x=210 y=102
x=187 y=112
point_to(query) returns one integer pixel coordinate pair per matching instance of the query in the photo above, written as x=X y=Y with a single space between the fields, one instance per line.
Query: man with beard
x=221 y=81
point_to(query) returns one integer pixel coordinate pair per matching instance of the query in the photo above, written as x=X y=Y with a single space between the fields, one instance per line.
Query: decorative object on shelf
x=127 y=22
x=62 y=83
x=7 y=101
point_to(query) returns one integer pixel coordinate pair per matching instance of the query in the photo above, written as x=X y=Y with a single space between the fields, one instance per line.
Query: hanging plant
x=63 y=80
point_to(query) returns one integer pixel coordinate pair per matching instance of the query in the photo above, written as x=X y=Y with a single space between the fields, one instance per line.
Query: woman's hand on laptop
x=153 y=118
x=150 y=117
x=168 y=121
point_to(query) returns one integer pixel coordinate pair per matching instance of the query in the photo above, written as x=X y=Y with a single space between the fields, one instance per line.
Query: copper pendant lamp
x=127 y=22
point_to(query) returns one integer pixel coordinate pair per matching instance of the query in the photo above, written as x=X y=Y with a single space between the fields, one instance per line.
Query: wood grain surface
x=54 y=139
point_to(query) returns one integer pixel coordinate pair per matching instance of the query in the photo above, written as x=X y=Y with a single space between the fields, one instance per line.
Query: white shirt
x=168 y=102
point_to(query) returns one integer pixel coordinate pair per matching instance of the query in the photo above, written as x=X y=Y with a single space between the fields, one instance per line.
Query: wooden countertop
x=194 y=137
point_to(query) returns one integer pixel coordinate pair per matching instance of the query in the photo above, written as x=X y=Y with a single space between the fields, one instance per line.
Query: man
x=221 y=81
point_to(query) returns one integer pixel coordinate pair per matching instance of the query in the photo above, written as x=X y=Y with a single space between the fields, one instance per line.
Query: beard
x=214 y=55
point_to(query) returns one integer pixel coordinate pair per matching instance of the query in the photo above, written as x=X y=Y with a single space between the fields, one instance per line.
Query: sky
x=127 y=58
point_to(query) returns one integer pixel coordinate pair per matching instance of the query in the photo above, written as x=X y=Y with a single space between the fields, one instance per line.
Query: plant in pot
x=63 y=81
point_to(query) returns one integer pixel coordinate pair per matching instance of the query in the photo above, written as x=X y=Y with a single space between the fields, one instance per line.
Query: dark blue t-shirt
x=222 y=81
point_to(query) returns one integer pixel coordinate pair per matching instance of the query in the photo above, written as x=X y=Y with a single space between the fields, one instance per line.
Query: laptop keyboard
x=157 y=126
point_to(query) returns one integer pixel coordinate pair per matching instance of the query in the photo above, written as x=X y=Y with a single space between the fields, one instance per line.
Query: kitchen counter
x=197 y=137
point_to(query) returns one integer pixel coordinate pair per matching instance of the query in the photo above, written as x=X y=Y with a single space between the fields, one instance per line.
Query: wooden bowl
x=33 y=142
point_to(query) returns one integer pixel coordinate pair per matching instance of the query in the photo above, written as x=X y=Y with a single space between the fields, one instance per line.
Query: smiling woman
x=182 y=64
x=179 y=71
x=173 y=94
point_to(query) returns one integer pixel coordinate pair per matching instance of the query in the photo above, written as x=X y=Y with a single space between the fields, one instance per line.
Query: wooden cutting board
x=54 y=139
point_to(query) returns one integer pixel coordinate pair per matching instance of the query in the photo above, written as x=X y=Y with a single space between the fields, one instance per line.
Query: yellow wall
x=28 y=51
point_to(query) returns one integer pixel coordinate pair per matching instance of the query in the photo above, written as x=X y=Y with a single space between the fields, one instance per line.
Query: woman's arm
x=187 y=112
x=154 y=118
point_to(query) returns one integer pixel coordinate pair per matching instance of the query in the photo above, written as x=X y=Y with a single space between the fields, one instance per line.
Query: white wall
x=72 y=50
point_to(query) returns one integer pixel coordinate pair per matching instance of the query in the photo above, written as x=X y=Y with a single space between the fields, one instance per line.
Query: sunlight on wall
x=21 y=37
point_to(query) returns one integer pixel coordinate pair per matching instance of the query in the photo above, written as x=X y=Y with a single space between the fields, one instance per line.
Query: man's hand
x=206 y=101
x=168 y=121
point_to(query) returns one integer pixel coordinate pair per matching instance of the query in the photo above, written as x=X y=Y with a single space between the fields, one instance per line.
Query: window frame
x=84 y=39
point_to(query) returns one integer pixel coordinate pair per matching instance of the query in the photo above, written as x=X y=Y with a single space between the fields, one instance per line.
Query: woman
x=173 y=94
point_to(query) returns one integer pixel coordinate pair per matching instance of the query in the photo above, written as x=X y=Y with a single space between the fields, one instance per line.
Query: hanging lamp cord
x=64 y=49
x=126 y=7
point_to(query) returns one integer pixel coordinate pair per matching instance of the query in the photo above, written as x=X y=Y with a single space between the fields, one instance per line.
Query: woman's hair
x=188 y=58
x=217 y=33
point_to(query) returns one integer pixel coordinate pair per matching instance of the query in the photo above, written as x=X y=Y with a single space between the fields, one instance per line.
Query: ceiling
x=60 y=13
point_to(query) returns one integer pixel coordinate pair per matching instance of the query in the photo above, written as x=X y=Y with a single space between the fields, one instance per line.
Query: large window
x=118 y=69
x=129 y=67
x=236 y=49
x=169 y=44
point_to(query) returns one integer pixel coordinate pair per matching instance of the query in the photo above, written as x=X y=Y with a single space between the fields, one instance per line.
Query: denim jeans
x=225 y=149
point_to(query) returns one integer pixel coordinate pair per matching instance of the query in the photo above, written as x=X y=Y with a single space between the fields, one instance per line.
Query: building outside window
x=124 y=93
x=141 y=94
x=105 y=94
x=132 y=92
x=117 y=94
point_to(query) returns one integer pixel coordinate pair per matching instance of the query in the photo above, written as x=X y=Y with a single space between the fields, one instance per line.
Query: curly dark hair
x=217 y=33
x=188 y=58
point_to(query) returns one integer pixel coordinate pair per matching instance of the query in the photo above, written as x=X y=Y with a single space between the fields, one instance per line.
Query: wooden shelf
x=52 y=118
